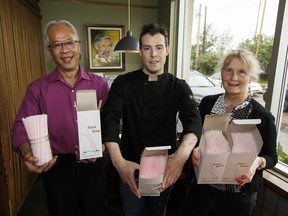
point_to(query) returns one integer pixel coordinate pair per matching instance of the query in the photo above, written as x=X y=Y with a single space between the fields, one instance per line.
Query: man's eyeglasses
x=55 y=47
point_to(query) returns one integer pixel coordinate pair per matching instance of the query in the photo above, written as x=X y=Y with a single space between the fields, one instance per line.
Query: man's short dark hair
x=152 y=29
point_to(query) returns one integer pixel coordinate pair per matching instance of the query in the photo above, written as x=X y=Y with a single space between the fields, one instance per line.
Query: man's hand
x=173 y=171
x=86 y=161
x=30 y=161
x=126 y=171
x=177 y=160
x=124 y=167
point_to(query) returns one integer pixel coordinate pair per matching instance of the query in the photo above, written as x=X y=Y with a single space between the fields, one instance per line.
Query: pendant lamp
x=129 y=43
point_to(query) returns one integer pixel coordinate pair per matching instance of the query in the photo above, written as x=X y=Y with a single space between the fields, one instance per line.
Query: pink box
x=224 y=168
x=152 y=168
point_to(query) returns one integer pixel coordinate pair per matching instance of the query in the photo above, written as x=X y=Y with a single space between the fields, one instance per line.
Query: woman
x=238 y=69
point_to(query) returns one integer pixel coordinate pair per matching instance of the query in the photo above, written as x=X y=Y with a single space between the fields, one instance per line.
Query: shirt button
x=72 y=91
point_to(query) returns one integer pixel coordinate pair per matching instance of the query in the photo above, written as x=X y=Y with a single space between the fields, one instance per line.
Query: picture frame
x=101 y=41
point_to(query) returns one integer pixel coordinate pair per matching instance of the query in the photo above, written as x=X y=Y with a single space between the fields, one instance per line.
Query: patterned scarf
x=241 y=111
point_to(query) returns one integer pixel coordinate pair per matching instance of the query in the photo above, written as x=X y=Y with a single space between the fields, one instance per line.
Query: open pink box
x=152 y=168
x=224 y=168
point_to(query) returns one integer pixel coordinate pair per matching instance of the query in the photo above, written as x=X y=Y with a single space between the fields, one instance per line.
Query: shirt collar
x=160 y=77
x=220 y=107
x=56 y=76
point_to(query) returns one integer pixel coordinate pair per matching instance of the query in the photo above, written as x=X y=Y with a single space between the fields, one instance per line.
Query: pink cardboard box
x=152 y=168
x=225 y=167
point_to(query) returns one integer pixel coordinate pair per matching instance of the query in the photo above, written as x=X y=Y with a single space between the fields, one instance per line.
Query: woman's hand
x=196 y=156
x=248 y=178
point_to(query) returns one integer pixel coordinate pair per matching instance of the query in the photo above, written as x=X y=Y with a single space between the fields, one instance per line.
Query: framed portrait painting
x=101 y=41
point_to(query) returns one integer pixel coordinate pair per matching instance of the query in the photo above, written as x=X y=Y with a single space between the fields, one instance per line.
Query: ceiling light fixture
x=129 y=43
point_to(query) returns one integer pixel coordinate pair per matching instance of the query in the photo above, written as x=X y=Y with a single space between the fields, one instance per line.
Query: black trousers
x=75 y=189
x=204 y=200
x=153 y=205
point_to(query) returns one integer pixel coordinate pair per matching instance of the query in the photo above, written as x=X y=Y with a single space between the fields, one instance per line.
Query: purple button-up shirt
x=53 y=96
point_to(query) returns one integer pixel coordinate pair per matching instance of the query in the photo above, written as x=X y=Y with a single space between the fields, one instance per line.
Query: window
x=277 y=91
x=283 y=134
x=277 y=78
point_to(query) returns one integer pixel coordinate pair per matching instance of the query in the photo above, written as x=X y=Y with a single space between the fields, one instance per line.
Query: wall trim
x=276 y=182
x=107 y=3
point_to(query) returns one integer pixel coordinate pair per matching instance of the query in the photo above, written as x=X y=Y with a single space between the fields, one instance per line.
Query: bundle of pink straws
x=216 y=143
x=152 y=166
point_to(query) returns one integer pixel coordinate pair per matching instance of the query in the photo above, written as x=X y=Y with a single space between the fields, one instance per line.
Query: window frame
x=278 y=69
x=277 y=79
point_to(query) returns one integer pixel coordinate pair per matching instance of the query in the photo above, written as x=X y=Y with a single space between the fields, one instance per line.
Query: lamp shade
x=127 y=44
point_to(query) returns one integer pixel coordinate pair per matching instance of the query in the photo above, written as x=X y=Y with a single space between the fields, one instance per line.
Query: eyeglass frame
x=54 y=46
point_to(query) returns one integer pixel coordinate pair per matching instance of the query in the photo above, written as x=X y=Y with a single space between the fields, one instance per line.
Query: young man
x=71 y=188
x=147 y=101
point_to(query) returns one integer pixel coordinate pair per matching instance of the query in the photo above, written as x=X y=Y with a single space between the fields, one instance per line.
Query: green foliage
x=208 y=62
x=282 y=156
x=210 y=40
x=264 y=51
x=211 y=49
x=249 y=44
x=223 y=44
x=216 y=46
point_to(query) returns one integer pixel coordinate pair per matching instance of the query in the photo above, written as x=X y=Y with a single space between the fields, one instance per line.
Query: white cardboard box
x=89 y=128
x=150 y=186
x=225 y=168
